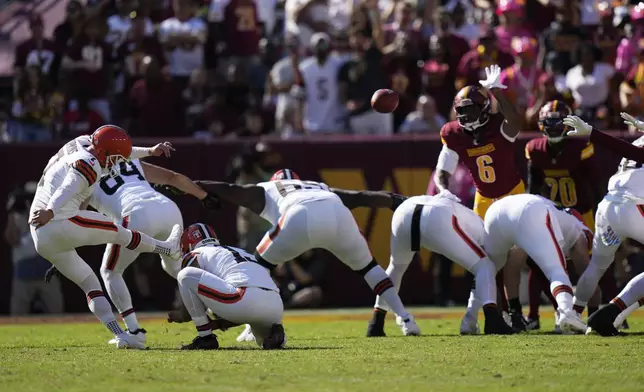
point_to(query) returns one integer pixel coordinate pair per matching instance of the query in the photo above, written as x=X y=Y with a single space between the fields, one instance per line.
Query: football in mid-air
x=384 y=101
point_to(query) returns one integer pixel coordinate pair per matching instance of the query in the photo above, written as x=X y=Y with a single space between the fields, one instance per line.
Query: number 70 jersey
x=119 y=196
x=280 y=195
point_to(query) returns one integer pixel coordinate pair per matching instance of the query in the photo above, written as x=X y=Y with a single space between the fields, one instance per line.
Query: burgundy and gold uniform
x=491 y=161
x=240 y=24
x=566 y=172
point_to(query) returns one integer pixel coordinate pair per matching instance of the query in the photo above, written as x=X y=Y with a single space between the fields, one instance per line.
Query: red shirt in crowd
x=240 y=25
x=36 y=52
x=78 y=124
x=439 y=82
x=94 y=81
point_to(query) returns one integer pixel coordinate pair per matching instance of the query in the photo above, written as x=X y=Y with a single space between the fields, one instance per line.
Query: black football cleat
x=495 y=325
x=625 y=325
x=276 y=338
x=533 y=324
x=602 y=320
x=203 y=343
x=518 y=321
x=376 y=327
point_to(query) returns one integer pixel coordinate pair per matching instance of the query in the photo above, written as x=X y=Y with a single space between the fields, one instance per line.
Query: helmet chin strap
x=113 y=162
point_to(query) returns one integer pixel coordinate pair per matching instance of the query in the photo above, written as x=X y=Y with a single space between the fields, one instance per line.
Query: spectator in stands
x=463 y=28
x=88 y=63
x=31 y=112
x=183 y=37
x=458 y=46
x=156 y=105
x=299 y=280
x=71 y=26
x=561 y=38
x=591 y=84
x=237 y=30
x=253 y=124
x=80 y=119
x=28 y=286
x=631 y=90
x=523 y=77
x=512 y=23
x=129 y=55
x=424 y=119
x=471 y=68
x=546 y=91
x=303 y=18
x=120 y=24
x=360 y=77
x=280 y=81
x=606 y=36
x=215 y=113
x=195 y=96
x=438 y=77
x=37 y=50
x=628 y=46
x=404 y=27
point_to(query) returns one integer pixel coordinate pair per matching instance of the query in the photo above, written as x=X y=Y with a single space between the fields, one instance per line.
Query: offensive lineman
x=58 y=226
x=230 y=283
x=620 y=215
x=442 y=225
x=307 y=215
x=544 y=233
x=483 y=137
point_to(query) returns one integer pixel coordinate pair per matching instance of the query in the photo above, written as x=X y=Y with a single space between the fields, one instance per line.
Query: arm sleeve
x=447 y=160
x=140 y=152
x=249 y=196
x=73 y=184
x=618 y=146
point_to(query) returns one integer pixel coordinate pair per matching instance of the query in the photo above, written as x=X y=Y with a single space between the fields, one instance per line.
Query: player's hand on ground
x=41 y=217
x=632 y=121
x=180 y=315
x=50 y=273
x=164 y=148
x=211 y=202
x=580 y=127
x=492 y=78
x=446 y=194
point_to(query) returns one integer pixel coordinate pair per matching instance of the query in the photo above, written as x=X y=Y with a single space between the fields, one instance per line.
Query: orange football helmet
x=112 y=145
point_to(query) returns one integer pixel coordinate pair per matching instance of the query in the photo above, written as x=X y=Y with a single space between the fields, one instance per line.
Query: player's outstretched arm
x=248 y=196
x=371 y=199
x=492 y=83
x=599 y=138
x=164 y=148
x=161 y=176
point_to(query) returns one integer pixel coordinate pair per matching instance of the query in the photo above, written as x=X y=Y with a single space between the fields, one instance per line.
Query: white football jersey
x=322 y=109
x=280 y=195
x=72 y=156
x=234 y=265
x=116 y=197
x=628 y=183
x=118 y=28
x=183 y=61
x=571 y=228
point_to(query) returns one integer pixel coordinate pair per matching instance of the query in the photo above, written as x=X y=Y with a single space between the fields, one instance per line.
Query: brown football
x=384 y=101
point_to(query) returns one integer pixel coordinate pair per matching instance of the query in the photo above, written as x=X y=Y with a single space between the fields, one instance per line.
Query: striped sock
x=114 y=327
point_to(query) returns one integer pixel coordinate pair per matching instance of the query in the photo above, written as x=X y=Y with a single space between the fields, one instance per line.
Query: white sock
x=563 y=295
x=627 y=312
x=395 y=273
x=485 y=291
x=474 y=305
x=587 y=283
x=120 y=295
x=382 y=285
x=98 y=304
x=143 y=243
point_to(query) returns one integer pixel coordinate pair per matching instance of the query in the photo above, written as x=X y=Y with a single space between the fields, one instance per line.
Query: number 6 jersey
x=119 y=196
x=280 y=195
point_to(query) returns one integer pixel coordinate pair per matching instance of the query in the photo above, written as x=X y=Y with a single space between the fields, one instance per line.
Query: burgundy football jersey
x=569 y=174
x=32 y=52
x=492 y=162
x=240 y=25
x=94 y=82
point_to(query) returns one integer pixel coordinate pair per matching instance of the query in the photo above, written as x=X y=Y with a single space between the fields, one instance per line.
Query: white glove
x=493 y=78
x=581 y=128
x=632 y=121
x=446 y=194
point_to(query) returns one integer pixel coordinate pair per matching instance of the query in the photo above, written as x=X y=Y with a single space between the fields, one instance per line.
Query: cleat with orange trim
x=203 y=343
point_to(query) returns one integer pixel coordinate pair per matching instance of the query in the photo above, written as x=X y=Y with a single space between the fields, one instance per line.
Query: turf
x=327 y=352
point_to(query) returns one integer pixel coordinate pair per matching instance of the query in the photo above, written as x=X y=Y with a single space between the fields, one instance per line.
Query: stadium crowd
x=227 y=68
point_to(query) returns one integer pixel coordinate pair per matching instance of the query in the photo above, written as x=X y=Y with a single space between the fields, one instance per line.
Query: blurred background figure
x=300 y=280
x=424 y=118
x=29 y=292
x=31 y=111
x=513 y=23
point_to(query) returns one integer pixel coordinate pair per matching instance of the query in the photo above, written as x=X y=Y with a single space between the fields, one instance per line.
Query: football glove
x=211 y=202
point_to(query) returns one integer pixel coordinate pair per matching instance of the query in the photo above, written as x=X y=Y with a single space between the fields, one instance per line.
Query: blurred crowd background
x=229 y=69
x=235 y=68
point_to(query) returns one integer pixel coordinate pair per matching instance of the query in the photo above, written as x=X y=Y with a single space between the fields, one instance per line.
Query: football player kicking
x=230 y=283
x=565 y=170
x=442 y=225
x=308 y=215
x=483 y=137
x=545 y=233
x=620 y=215
x=58 y=226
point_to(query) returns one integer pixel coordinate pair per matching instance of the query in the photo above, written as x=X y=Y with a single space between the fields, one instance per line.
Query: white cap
x=317 y=38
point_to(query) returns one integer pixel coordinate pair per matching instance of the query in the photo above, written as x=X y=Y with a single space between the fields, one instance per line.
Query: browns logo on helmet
x=196 y=235
x=551 y=118
x=472 y=106
x=284 y=174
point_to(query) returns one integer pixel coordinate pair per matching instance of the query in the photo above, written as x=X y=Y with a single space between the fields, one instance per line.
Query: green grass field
x=327 y=352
